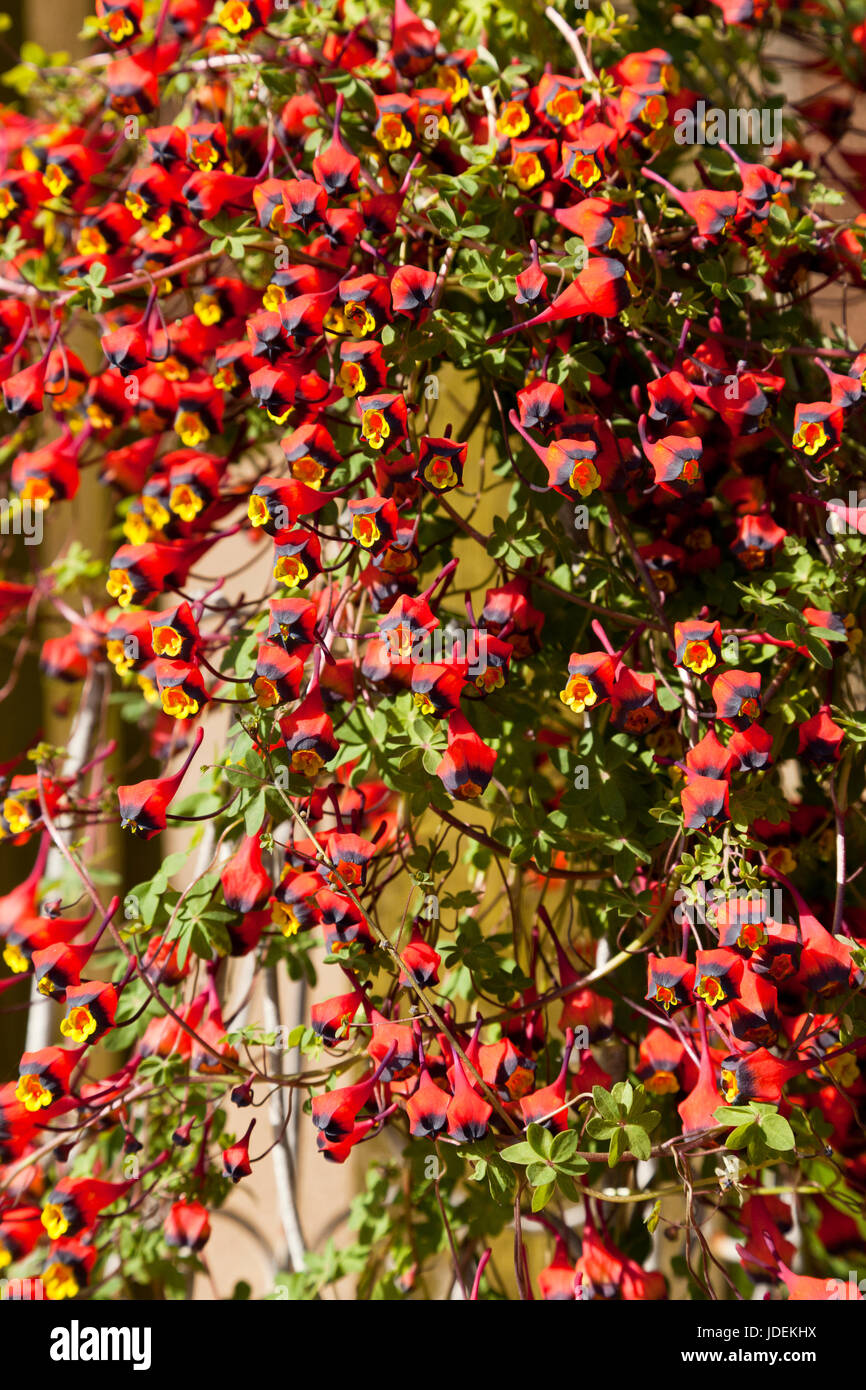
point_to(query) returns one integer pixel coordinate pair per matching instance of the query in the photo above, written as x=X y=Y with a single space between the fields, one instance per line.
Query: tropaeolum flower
x=479 y=493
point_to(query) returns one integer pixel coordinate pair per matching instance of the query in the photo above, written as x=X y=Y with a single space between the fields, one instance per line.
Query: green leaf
x=740 y=1137
x=817 y=650
x=777 y=1132
x=520 y=1153
x=540 y=1140
x=563 y=1146
x=618 y=1145
x=605 y=1104
x=623 y=1094
x=638 y=1141
x=600 y=1129
x=733 y=1114
x=255 y=814
x=539 y=1173
x=542 y=1195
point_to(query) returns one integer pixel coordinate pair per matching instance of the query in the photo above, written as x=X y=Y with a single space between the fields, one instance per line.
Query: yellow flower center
x=527 y=171
x=655 y=113
x=167 y=641
x=55 y=180
x=290 y=570
x=374 y=428
x=623 y=234
x=16 y=815
x=308 y=471
x=661 y=1083
x=120 y=587
x=285 y=919
x=513 y=120
x=450 y=79
x=116 y=26
x=729 y=1085
x=257 y=510
x=173 y=370
x=273 y=297
x=439 y=473
x=359 y=319
x=235 y=17
x=59 y=1282
x=226 y=379
x=205 y=154
x=185 y=502
x=566 y=106
x=267 y=694
x=207 y=310
x=178 y=704
x=307 y=762
x=156 y=513
x=99 y=418
x=31 y=1093
x=335 y=321
x=78 y=1025
x=578 y=694
x=810 y=437
x=711 y=989
x=15 y=958
x=54 y=1221
x=191 y=429
x=491 y=679
x=585 y=171
x=135 y=203
x=699 y=657
x=391 y=132
x=37 y=490
x=351 y=379
x=365 y=531
x=91 y=242
x=666 y=997
x=585 y=477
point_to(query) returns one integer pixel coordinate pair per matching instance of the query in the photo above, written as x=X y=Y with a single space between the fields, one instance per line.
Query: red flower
x=820 y=739
x=556 y=1282
x=670 y=981
x=468 y=1113
x=236 y=1158
x=717 y=976
x=144 y=805
x=411 y=291
x=600 y=288
x=704 y=801
x=698 y=645
x=467 y=765
x=187 y=1226
x=737 y=697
